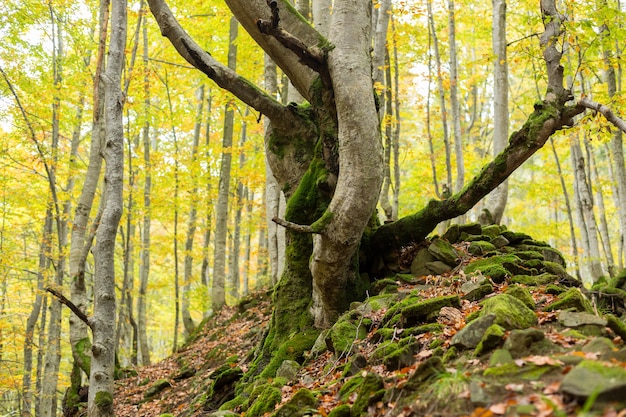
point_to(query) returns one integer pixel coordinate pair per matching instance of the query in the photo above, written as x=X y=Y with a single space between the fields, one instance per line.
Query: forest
x=166 y=165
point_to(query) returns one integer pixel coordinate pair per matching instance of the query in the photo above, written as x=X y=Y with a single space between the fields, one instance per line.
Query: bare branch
x=295 y=227
x=221 y=74
x=63 y=300
x=605 y=111
x=311 y=57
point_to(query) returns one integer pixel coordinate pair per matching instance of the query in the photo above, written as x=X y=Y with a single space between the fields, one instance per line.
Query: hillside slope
x=479 y=322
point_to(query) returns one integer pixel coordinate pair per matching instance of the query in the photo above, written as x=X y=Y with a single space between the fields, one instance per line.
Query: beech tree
x=326 y=155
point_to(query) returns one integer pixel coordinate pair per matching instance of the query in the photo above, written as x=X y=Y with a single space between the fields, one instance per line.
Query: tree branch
x=298 y=228
x=221 y=74
x=605 y=111
x=63 y=300
x=311 y=57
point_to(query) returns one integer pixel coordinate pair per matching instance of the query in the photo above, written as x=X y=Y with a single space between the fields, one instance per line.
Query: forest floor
x=422 y=346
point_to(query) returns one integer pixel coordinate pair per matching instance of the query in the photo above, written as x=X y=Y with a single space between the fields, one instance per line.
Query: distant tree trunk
x=454 y=100
x=218 y=296
x=204 y=272
x=496 y=202
x=31 y=322
x=239 y=204
x=568 y=207
x=249 y=198
x=144 y=267
x=188 y=323
x=442 y=103
x=599 y=200
x=586 y=202
x=103 y=321
x=395 y=205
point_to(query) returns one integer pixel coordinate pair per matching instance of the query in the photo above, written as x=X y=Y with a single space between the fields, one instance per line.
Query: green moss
x=370 y=391
x=234 y=403
x=341 y=411
x=481 y=247
x=83 y=350
x=157 y=387
x=104 y=399
x=572 y=298
x=321 y=223
x=302 y=403
x=343 y=335
x=423 y=310
x=616 y=325
x=510 y=312
x=521 y=294
x=293 y=349
x=542 y=279
x=529 y=371
x=492 y=338
x=265 y=402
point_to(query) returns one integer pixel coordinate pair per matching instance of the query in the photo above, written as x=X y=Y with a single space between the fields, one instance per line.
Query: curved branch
x=294 y=226
x=605 y=111
x=222 y=75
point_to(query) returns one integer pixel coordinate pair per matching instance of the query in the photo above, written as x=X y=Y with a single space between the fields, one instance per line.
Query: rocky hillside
x=481 y=321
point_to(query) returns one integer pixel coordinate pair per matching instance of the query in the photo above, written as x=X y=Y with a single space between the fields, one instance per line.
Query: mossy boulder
x=529 y=371
x=493 y=337
x=521 y=343
x=493 y=267
x=534 y=280
x=480 y=247
x=510 y=312
x=418 y=266
x=371 y=390
x=341 y=411
x=424 y=372
x=265 y=401
x=156 y=388
x=444 y=252
x=303 y=403
x=470 y=335
x=571 y=299
x=521 y=294
x=428 y=309
x=606 y=383
x=343 y=335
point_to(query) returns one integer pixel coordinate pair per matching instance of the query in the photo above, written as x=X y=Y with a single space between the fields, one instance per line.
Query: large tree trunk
x=103 y=320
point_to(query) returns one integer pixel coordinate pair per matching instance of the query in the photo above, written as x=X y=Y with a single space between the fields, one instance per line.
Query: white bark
x=103 y=321
x=360 y=159
x=497 y=199
x=321 y=15
x=455 y=107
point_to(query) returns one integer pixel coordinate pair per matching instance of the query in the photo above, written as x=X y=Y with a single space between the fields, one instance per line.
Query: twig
x=294 y=226
x=605 y=111
x=63 y=300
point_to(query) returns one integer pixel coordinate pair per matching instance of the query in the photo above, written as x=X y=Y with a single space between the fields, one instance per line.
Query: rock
x=514 y=237
x=521 y=294
x=471 y=228
x=493 y=267
x=444 y=251
x=356 y=365
x=575 y=319
x=342 y=336
x=477 y=394
x=491 y=230
x=533 y=280
x=499 y=241
x=594 y=378
x=453 y=234
x=571 y=299
x=223 y=413
x=430 y=367
x=371 y=390
x=491 y=339
x=478 y=293
x=438 y=267
x=423 y=310
x=500 y=357
x=510 y=312
x=418 y=266
x=470 y=335
x=519 y=343
x=301 y=404
x=288 y=369
x=599 y=345
x=480 y=247
x=156 y=388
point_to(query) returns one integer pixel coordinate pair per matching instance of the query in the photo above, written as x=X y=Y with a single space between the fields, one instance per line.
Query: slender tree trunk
x=103 y=320
x=568 y=207
x=498 y=198
x=188 y=323
x=144 y=267
x=446 y=188
x=209 y=206
x=218 y=296
x=239 y=204
x=454 y=100
x=31 y=322
x=586 y=202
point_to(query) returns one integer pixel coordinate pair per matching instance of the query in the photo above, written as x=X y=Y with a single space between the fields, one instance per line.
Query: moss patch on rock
x=510 y=312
